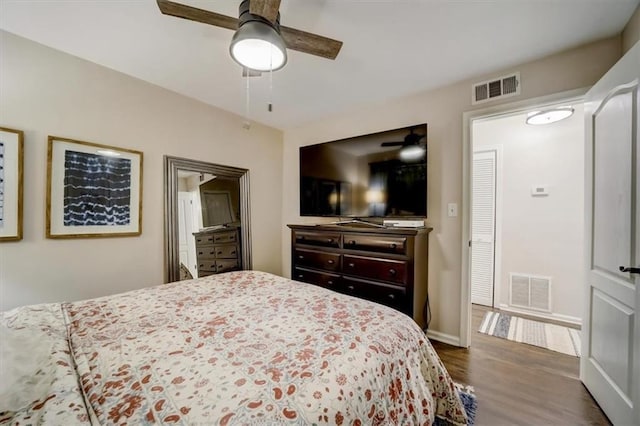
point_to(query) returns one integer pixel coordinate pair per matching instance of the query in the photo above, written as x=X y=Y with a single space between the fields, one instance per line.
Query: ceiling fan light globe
x=412 y=153
x=258 y=46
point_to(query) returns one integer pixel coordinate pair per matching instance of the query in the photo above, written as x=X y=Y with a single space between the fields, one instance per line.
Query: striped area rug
x=549 y=336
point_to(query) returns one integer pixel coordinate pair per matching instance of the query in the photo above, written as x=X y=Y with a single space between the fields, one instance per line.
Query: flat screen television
x=380 y=175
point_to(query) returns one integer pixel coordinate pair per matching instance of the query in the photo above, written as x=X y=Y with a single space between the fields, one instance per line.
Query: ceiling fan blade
x=312 y=44
x=198 y=15
x=294 y=39
x=392 y=143
x=247 y=72
x=268 y=9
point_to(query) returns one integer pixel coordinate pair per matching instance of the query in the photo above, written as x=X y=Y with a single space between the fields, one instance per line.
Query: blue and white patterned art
x=97 y=190
x=1 y=184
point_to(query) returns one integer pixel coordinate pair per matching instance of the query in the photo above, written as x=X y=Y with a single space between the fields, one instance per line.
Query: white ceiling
x=391 y=47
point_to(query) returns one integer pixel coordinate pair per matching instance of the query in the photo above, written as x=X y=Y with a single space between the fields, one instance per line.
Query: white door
x=610 y=366
x=186 y=227
x=483 y=219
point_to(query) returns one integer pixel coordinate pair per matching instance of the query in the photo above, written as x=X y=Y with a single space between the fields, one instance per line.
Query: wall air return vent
x=530 y=292
x=502 y=87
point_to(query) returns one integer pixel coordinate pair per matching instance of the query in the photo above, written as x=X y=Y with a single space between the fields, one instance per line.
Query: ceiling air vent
x=505 y=86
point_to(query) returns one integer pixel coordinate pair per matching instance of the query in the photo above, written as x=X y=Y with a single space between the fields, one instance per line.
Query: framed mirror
x=220 y=204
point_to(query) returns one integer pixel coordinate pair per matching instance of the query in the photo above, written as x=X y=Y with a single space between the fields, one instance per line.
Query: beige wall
x=631 y=32
x=541 y=235
x=442 y=109
x=46 y=92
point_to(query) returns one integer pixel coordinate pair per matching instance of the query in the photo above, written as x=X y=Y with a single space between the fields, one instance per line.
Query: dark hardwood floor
x=519 y=384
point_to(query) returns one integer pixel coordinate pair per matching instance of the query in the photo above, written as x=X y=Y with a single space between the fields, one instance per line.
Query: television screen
x=377 y=175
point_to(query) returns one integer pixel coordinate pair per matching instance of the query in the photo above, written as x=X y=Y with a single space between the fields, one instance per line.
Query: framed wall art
x=93 y=190
x=11 y=184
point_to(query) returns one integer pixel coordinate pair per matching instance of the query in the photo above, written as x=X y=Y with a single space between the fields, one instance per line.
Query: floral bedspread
x=51 y=396
x=249 y=347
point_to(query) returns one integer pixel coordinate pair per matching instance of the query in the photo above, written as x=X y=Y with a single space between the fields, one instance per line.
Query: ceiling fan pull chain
x=271 y=82
x=247 y=123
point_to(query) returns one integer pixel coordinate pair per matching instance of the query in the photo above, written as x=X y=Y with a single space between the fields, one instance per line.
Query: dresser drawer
x=395 y=297
x=225 y=237
x=218 y=265
x=330 y=281
x=317 y=259
x=208 y=265
x=226 y=265
x=205 y=252
x=324 y=239
x=202 y=240
x=379 y=269
x=375 y=243
x=220 y=252
x=228 y=251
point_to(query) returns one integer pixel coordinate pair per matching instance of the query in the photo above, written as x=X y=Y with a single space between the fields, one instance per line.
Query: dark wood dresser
x=218 y=251
x=388 y=266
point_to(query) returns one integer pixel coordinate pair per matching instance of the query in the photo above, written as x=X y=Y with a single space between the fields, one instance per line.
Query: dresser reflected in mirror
x=207 y=228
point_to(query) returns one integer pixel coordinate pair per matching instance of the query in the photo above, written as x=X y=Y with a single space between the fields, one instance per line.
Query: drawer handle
x=330 y=282
x=330 y=240
x=211 y=252
x=350 y=287
x=199 y=252
x=352 y=242
x=300 y=256
x=393 y=246
x=352 y=265
x=219 y=252
x=392 y=296
x=233 y=252
x=300 y=276
x=392 y=272
x=331 y=261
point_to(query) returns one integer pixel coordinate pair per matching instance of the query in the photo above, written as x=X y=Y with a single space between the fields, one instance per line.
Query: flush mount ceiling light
x=257 y=44
x=549 y=116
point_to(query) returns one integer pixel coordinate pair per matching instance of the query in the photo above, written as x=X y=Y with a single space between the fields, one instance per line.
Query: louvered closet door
x=483 y=227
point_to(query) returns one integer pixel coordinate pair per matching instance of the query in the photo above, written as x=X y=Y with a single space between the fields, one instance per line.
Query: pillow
x=26 y=367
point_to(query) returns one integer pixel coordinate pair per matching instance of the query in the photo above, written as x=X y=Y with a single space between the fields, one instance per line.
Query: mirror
x=203 y=202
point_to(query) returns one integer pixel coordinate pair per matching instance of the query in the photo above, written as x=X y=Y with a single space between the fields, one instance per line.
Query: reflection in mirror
x=207 y=219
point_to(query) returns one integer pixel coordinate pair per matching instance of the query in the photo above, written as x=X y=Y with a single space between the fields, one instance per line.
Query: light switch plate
x=452 y=210
x=539 y=190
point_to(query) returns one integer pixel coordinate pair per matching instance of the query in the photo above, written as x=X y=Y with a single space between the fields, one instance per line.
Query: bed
x=243 y=347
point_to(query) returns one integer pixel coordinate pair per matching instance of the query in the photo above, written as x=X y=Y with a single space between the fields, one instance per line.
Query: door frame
x=193 y=220
x=497 y=218
x=468 y=117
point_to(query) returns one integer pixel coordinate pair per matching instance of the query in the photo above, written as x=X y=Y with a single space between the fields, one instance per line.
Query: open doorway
x=527 y=225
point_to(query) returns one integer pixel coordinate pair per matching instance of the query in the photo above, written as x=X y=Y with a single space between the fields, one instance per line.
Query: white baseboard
x=556 y=317
x=443 y=337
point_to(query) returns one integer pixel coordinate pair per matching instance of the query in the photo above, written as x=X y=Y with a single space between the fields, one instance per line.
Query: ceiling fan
x=411 y=149
x=411 y=139
x=259 y=43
